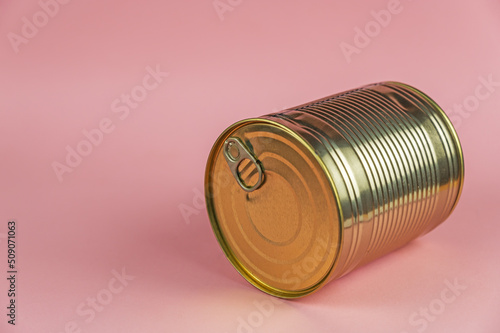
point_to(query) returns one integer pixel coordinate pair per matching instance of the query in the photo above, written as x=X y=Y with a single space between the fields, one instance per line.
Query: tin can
x=303 y=196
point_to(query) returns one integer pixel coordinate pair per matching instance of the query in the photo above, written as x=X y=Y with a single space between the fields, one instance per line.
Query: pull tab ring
x=235 y=152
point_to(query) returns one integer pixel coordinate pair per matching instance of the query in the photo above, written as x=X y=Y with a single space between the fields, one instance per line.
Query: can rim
x=453 y=133
x=282 y=293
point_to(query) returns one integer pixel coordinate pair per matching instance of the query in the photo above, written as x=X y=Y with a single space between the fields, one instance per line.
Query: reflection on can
x=303 y=196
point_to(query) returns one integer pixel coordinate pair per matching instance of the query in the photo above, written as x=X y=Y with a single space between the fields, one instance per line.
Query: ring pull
x=235 y=152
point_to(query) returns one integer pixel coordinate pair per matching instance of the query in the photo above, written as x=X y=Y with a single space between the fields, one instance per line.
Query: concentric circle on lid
x=284 y=236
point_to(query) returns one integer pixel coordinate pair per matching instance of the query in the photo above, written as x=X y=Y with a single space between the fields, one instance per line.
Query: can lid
x=273 y=207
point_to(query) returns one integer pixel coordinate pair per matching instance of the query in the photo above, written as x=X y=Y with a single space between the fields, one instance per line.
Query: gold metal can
x=303 y=196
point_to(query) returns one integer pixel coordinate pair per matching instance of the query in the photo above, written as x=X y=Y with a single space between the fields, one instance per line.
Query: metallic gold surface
x=341 y=181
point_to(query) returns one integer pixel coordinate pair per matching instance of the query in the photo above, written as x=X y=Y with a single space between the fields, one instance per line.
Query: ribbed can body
x=303 y=196
x=395 y=161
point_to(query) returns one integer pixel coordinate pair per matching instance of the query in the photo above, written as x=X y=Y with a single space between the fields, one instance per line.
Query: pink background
x=120 y=208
